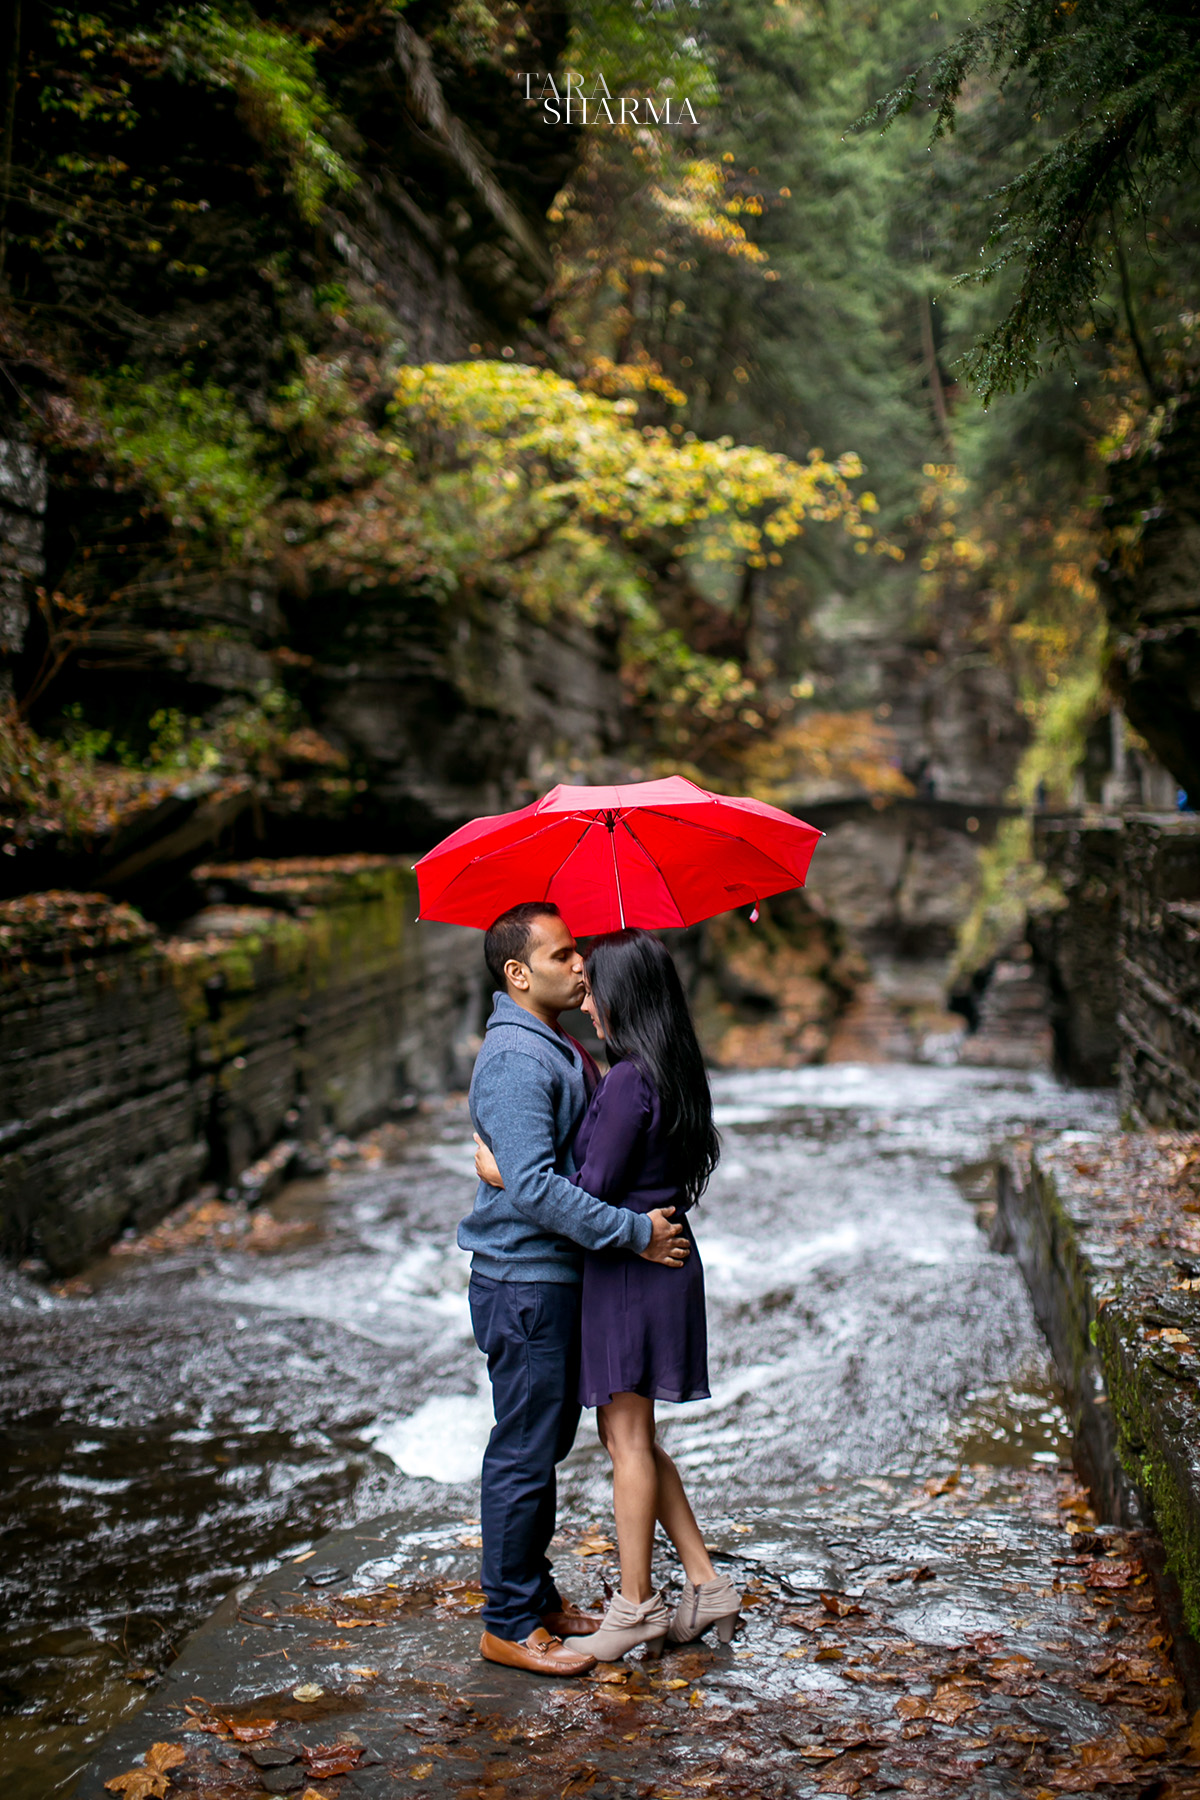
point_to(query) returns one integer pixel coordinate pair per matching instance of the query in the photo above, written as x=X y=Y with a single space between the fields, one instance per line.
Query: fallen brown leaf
x=1001 y=1668
x=840 y=1606
x=946 y=1705
x=151 y=1781
x=811 y=1619
x=1143 y=1746
x=1112 y=1574
x=324 y=1761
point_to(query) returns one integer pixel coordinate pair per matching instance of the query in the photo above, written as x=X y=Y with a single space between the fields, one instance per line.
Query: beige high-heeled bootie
x=716 y=1602
x=625 y=1626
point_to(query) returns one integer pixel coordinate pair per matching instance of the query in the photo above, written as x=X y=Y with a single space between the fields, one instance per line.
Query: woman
x=646 y=1140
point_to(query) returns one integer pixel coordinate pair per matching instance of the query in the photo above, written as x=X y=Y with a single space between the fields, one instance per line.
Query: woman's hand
x=486 y=1166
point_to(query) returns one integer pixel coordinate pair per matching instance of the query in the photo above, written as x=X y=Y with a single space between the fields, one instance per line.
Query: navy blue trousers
x=529 y=1332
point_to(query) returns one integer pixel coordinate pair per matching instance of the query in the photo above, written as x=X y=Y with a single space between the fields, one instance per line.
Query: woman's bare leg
x=626 y=1428
x=679 y=1521
x=646 y=1487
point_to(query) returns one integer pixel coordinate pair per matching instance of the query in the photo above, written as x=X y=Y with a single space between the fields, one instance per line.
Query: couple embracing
x=586 y=1287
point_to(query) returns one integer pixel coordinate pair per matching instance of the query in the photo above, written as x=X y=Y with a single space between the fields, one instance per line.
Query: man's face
x=550 y=977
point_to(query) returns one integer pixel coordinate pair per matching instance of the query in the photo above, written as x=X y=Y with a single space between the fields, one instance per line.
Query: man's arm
x=513 y=1106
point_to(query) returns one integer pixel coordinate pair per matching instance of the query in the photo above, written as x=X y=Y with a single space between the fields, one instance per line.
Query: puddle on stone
x=1018 y=1425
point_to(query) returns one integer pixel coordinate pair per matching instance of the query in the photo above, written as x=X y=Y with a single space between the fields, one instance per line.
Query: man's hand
x=667 y=1243
x=486 y=1166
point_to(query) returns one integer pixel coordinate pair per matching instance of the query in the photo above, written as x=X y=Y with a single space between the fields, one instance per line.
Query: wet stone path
x=883 y=1464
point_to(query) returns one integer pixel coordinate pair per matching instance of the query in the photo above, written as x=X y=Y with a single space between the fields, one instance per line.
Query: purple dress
x=643 y=1325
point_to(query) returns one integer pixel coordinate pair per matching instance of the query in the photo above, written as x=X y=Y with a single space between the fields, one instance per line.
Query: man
x=530 y=1089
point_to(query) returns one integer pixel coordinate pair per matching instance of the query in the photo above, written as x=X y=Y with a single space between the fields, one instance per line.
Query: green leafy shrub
x=275 y=79
x=194 y=449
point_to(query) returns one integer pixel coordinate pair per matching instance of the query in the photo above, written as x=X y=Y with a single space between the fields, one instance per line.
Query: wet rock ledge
x=1106 y=1229
x=137 y=1065
x=969 y=1635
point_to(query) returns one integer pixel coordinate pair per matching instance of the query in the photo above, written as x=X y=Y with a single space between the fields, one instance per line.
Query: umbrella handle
x=754 y=914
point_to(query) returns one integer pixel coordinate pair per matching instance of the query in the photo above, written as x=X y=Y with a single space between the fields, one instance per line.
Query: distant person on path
x=529 y=1092
x=648 y=1144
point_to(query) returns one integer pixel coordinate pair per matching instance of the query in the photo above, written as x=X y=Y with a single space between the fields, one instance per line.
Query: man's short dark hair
x=508 y=938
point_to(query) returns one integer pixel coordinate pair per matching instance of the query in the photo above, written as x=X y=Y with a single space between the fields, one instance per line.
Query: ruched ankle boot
x=716 y=1602
x=625 y=1626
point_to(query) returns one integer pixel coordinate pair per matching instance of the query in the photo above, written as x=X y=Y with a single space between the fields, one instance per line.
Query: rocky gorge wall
x=1123 y=956
x=135 y=1065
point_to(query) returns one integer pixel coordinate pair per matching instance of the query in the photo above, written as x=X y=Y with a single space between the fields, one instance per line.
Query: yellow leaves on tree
x=514 y=484
x=828 y=752
x=152 y=1780
x=528 y=453
x=696 y=201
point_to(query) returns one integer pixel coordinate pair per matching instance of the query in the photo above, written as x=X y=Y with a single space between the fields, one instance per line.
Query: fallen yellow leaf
x=139 y=1784
x=308 y=1690
x=419 y=1771
x=151 y=1781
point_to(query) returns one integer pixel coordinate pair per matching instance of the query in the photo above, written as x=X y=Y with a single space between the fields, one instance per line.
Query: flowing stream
x=205 y=1411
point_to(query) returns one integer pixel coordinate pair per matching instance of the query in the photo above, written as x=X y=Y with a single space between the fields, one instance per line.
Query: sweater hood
x=507 y=1012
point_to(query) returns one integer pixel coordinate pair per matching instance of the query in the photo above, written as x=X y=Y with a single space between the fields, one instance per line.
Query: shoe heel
x=726 y=1627
x=654 y=1646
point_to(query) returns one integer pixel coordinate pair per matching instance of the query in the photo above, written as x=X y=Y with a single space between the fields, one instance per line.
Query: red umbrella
x=652 y=853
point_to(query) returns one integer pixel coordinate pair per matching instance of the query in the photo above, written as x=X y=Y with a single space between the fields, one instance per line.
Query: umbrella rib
x=484 y=855
x=717 y=832
x=588 y=823
x=651 y=858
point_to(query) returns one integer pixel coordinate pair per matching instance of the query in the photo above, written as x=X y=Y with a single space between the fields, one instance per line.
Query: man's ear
x=517 y=975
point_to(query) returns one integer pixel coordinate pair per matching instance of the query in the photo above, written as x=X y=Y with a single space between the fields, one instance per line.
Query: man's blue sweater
x=528 y=1095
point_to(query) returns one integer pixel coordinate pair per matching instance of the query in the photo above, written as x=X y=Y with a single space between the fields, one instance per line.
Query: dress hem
x=652 y=1393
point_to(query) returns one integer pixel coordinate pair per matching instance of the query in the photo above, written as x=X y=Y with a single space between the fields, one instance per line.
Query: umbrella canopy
x=651 y=853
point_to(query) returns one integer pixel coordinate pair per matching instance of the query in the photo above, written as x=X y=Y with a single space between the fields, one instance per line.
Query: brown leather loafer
x=571 y=1622
x=541 y=1653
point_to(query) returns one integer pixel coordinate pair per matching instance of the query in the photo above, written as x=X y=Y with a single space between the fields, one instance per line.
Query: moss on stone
x=1117 y=1218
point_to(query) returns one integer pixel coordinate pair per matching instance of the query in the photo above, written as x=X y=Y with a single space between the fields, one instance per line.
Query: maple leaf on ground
x=945 y=1706
x=840 y=1606
x=1102 y=1760
x=151 y=1781
x=1143 y=1746
x=324 y=1761
x=1112 y=1574
x=811 y=1619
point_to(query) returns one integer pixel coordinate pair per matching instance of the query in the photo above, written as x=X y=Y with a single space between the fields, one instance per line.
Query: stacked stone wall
x=1122 y=956
x=133 y=1070
x=1159 y=1014
x=1076 y=944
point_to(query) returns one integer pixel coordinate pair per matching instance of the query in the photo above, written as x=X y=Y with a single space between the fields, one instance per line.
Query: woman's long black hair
x=647 y=1020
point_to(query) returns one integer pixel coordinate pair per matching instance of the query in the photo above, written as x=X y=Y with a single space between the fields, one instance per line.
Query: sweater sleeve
x=514 y=1108
x=616 y=1131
